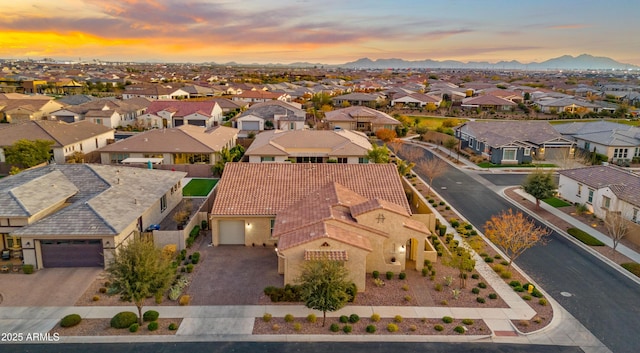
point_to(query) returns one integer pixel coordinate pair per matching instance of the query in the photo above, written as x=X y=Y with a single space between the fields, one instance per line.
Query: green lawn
x=433 y=122
x=199 y=187
x=556 y=202
x=584 y=237
x=619 y=121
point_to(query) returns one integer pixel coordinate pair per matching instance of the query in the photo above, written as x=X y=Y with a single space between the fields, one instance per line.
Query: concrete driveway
x=233 y=275
x=47 y=287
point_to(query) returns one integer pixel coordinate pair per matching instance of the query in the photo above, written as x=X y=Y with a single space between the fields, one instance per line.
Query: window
x=634 y=218
x=472 y=143
x=579 y=190
x=163 y=203
x=342 y=160
x=637 y=152
x=292 y=126
x=587 y=145
x=266 y=159
x=509 y=154
x=272 y=222
x=620 y=153
x=606 y=202
x=309 y=160
x=527 y=151
x=10 y=242
x=363 y=160
x=118 y=157
x=590 y=198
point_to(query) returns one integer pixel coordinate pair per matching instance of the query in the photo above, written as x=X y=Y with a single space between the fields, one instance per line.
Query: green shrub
x=267 y=317
x=504 y=263
x=518 y=289
x=506 y=274
x=632 y=267
x=70 y=320
x=454 y=223
x=389 y=274
x=515 y=284
x=438 y=327
x=425 y=271
x=195 y=258
x=392 y=328
x=150 y=315
x=497 y=257
x=173 y=326
x=334 y=327
x=447 y=319
x=288 y=318
x=526 y=297
x=344 y=319
x=498 y=268
x=347 y=329
x=353 y=318
x=459 y=329
x=467 y=322
x=371 y=328
x=482 y=285
x=153 y=326
x=480 y=300
x=402 y=275
x=134 y=327
x=190 y=242
x=584 y=237
x=102 y=290
x=352 y=291
x=397 y=318
x=297 y=326
x=475 y=276
x=493 y=296
x=475 y=290
x=438 y=287
x=543 y=302
x=432 y=200
x=375 y=317
x=194 y=232
x=375 y=274
x=488 y=259
x=124 y=319
x=312 y=318
x=27 y=269
x=189 y=268
x=96 y=298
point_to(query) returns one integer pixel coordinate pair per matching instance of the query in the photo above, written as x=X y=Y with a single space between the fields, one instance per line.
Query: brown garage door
x=71 y=253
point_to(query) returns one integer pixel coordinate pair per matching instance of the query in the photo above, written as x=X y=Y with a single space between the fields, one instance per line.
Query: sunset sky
x=328 y=32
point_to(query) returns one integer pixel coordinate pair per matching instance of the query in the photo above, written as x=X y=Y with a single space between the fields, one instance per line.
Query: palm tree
x=378 y=154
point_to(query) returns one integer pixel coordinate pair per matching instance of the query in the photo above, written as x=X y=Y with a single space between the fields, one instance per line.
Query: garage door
x=251 y=125
x=198 y=122
x=231 y=232
x=71 y=253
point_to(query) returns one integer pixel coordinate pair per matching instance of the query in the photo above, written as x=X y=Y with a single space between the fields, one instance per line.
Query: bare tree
x=432 y=167
x=617 y=226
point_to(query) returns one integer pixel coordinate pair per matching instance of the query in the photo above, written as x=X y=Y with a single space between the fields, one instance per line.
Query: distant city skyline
x=326 y=32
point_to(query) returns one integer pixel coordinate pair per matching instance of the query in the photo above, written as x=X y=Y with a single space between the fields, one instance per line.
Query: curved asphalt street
x=606 y=302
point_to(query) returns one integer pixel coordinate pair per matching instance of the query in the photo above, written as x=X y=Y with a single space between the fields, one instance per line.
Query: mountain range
x=565 y=62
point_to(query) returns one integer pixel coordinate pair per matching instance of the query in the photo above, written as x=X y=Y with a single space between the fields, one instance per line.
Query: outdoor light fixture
x=28 y=244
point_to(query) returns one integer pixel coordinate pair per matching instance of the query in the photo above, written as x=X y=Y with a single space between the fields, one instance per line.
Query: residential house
x=309 y=146
x=358 y=99
x=16 y=107
x=170 y=113
x=354 y=213
x=604 y=189
x=155 y=91
x=83 y=137
x=619 y=142
x=109 y=112
x=86 y=213
x=184 y=145
x=489 y=102
x=416 y=100
x=569 y=105
x=271 y=115
x=360 y=118
x=259 y=96
x=514 y=142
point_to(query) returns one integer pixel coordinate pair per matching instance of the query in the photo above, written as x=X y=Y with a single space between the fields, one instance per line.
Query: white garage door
x=251 y=125
x=231 y=232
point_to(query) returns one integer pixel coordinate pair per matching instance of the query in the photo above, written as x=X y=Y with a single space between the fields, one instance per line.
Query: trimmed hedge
x=584 y=237
x=70 y=320
x=124 y=319
x=150 y=315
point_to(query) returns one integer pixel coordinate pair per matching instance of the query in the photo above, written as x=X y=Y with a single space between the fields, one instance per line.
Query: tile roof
x=353 y=113
x=320 y=230
x=322 y=142
x=182 y=108
x=268 y=110
x=623 y=183
x=268 y=188
x=183 y=139
x=331 y=255
x=488 y=99
x=61 y=133
x=101 y=199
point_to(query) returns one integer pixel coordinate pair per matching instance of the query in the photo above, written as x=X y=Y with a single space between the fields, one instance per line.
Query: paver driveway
x=233 y=275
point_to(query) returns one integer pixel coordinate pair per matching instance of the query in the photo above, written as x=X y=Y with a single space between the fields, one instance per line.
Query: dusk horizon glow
x=330 y=32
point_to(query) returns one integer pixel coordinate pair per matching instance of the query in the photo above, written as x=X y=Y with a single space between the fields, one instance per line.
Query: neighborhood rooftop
x=623 y=183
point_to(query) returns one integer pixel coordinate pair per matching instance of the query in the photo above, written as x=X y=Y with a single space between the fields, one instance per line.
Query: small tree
x=617 y=227
x=378 y=154
x=138 y=271
x=513 y=233
x=540 y=184
x=386 y=135
x=27 y=153
x=404 y=167
x=432 y=168
x=461 y=259
x=324 y=286
x=450 y=144
x=226 y=155
x=421 y=130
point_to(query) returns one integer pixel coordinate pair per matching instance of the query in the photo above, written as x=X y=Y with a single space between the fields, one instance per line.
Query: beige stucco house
x=355 y=213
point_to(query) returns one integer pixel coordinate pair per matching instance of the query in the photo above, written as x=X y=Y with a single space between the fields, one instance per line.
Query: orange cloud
x=570 y=26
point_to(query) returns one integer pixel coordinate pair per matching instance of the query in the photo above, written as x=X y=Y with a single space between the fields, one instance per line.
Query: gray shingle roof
x=625 y=184
x=500 y=133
